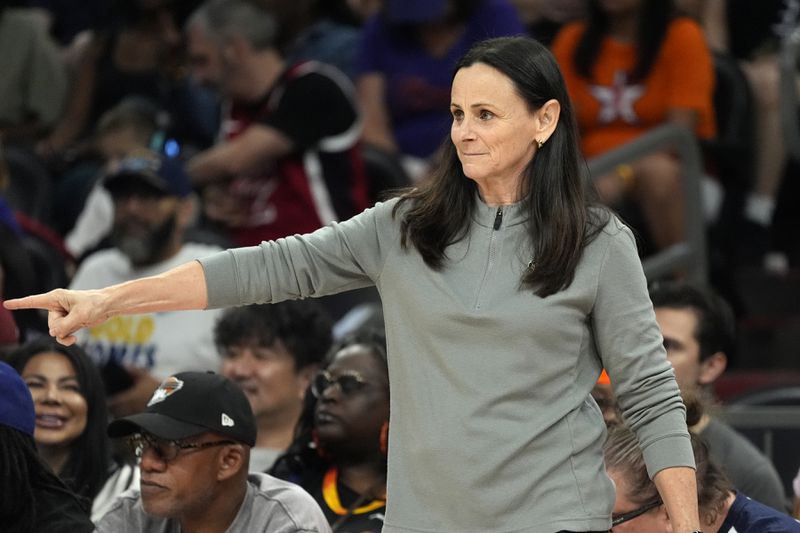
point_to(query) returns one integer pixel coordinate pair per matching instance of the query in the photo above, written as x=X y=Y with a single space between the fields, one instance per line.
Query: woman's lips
x=325 y=417
x=50 y=421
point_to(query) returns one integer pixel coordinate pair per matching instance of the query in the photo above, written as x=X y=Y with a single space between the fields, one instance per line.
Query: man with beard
x=152 y=209
x=289 y=159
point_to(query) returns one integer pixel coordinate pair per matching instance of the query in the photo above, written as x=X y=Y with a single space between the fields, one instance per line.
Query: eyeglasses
x=348 y=383
x=167 y=450
x=625 y=517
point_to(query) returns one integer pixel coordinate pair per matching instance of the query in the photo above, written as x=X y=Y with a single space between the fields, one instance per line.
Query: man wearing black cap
x=152 y=209
x=194 y=441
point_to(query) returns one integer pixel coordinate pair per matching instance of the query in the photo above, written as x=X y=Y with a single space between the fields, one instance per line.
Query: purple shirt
x=418 y=84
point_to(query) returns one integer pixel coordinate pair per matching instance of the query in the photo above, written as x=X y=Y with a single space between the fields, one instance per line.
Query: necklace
x=331 y=495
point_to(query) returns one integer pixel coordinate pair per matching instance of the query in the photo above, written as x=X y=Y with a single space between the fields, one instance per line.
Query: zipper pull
x=498 y=219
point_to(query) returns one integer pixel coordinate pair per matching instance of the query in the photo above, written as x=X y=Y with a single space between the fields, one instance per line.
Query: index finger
x=36 y=301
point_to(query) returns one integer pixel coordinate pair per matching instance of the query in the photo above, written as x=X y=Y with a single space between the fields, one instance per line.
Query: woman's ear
x=547 y=119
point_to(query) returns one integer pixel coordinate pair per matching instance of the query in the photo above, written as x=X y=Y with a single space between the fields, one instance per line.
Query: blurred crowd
x=141 y=134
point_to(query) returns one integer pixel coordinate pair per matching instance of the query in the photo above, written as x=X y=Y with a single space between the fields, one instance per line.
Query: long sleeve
x=333 y=259
x=630 y=344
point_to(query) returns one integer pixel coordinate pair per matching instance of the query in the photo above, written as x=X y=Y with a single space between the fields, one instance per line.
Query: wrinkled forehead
x=480 y=82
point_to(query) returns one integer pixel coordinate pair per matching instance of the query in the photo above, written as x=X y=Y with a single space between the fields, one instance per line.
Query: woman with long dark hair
x=631 y=66
x=33 y=497
x=71 y=420
x=504 y=291
x=339 y=453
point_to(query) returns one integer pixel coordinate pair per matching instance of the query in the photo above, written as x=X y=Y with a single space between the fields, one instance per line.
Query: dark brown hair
x=653 y=22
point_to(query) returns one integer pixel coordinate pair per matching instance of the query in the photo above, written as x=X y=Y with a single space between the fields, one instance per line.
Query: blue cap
x=16 y=403
x=412 y=11
x=163 y=173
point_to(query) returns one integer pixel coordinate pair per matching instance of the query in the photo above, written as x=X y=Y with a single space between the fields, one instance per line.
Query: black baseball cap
x=191 y=403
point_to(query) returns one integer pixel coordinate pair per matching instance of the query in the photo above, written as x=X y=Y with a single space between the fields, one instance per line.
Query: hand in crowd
x=134 y=399
x=67 y=311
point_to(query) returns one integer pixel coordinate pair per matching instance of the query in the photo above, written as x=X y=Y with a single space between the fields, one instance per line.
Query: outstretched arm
x=181 y=288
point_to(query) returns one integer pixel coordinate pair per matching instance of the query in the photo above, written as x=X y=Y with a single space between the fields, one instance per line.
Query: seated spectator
x=630 y=67
x=339 y=455
x=152 y=211
x=698 y=330
x=130 y=126
x=132 y=51
x=309 y=31
x=70 y=419
x=753 y=33
x=33 y=498
x=33 y=87
x=193 y=442
x=289 y=162
x=405 y=65
x=638 y=506
x=272 y=352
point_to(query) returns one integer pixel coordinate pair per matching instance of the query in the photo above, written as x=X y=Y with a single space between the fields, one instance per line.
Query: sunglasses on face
x=630 y=515
x=348 y=383
x=167 y=450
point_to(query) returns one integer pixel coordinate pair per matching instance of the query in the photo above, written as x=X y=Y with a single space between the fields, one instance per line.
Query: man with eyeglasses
x=638 y=508
x=193 y=443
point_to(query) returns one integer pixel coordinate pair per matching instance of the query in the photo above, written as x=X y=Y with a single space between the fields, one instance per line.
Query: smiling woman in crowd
x=71 y=420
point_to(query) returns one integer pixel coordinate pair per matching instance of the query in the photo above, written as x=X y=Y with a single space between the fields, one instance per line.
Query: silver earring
x=539 y=143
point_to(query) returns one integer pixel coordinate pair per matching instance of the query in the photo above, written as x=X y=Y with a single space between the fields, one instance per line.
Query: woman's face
x=493 y=128
x=353 y=415
x=654 y=520
x=61 y=409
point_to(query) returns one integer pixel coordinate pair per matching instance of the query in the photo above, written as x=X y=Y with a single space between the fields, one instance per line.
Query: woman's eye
x=34 y=384
x=72 y=387
x=486 y=115
x=458 y=114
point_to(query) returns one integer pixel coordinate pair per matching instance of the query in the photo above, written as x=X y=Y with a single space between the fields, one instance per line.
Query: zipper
x=498 y=219
x=490 y=260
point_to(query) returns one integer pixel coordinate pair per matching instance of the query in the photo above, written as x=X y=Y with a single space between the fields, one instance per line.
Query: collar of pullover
x=510 y=215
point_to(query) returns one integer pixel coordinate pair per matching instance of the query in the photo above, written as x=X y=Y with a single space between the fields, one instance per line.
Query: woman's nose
x=465 y=130
x=52 y=394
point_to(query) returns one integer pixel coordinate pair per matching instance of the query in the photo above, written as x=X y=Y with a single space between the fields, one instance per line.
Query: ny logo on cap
x=168 y=387
x=226 y=420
